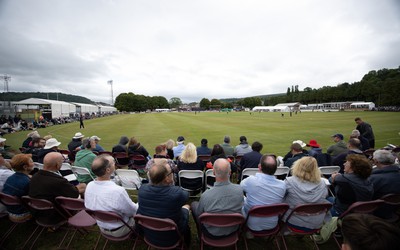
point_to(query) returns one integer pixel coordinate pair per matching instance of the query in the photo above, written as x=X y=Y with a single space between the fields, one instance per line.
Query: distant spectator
x=339 y=147
x=170 y=145
x=228 y=149
x=203 y=149
x=297 y=153
x=136 y=148
x=50 y=146
x=366 y=131
x=243 y=147
x=315 y=148
x=290 y=155
x=30 y=136
x=76 y=142
x=189 y=161
x=121 y=146
x=180 y=147
x=159 y=156
x=97 y=139
x=37 y=145
x=353 y=148
x=364 y=141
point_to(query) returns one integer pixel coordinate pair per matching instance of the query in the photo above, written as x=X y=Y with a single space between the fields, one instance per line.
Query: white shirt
x=108 y=196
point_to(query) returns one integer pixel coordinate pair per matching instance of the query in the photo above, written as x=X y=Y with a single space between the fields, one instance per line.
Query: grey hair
x=355 y=132
x=219 y=170
x=384 y=157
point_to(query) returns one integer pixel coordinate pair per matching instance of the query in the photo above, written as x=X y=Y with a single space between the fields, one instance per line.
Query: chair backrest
x=70 y=204
x=121 y=158
x=231 y=157
x=237 y=159
x=282 y=171
x=391 y=199
x=273 y=210
x=328 y=170
x=191 y=174
x=210 y=178
x=249 y=171
x=160 y=227
x=81 y=171
x=204 y=158
x=38 y=204
x=38 y=165
x=129 y=178
x=221 y=220
x=138 y=161
x=310 y=209
x=10 y=200
x=105 y=216
x=363 y=207
x=65 y=166
x=106 y=153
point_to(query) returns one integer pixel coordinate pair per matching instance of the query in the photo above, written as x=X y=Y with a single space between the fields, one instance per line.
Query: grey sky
x=194 y=49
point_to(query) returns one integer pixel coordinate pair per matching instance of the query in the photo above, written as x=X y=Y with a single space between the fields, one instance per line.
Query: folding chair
x=361 y=207
x=137 y=161
x=105 y=216
x=65 y=153
x=129 y=178
x=160 y=233
x=308 y=210
x=121 y=159
x=81 y=171
x=282 y=172
x=265 y=211
x=388 y=210
x=248 y=171
x=204 y=158
x=38 y=165
x=221 y=221
x=10 y=200
x=106 y=153
x=327 y=171
x=77 y=216
x=191 y=180
x=43 y=221
x=210 y=179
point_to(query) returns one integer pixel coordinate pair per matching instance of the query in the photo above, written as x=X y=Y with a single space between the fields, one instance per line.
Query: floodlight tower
x=110 y=82
x=6 y=78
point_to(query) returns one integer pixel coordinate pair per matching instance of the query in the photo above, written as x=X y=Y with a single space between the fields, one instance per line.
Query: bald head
x=100 y=165
x=222 y=169
x=268 y=164
x=159 y=172
x=53 y=161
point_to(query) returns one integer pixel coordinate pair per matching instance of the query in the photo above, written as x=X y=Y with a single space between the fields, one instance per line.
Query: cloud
x=194 y=49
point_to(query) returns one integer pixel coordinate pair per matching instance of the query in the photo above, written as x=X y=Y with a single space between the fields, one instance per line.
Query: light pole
x=6 y=78
x=110 y=82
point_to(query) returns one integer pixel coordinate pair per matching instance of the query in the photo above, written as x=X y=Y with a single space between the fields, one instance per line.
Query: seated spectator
x=243 y=147
x=76 y=142
x=364 y=141
x=50 y=146
x=353 y=185
x=203 y=149
x=30 y=136
x=224 y=197
x=121 y=146
x=161 y=154
x=37 y=145
x=189 y=161
x=170 y=145
x=84 y=158
x=228 y=149
x=353 y=148
x=5 y=150
x=96 y=139
x=48 y=183
x=367 y=232
x=339 y=146
x=252 y=159
x=218 y=153
x=135 y=148
x=315 y=148
x=161 y=199
x=104 y=195
x=5 y=172
x=290 y=155
x=180 y=141
x=386 y=180
x=297 y=153
x=303 y=187
x=263 y=189
x=18 y=185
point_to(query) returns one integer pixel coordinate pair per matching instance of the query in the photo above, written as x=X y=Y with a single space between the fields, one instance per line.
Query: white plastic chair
x=248 y=172
x=209 y=174
x=81 y=171
x=328 y=170
x=281 y=171
x=38 y=165
x=191 y=174
x=129 y=178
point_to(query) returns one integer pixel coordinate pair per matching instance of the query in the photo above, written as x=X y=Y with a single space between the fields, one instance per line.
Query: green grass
x=276 y=134
x=273 y=131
